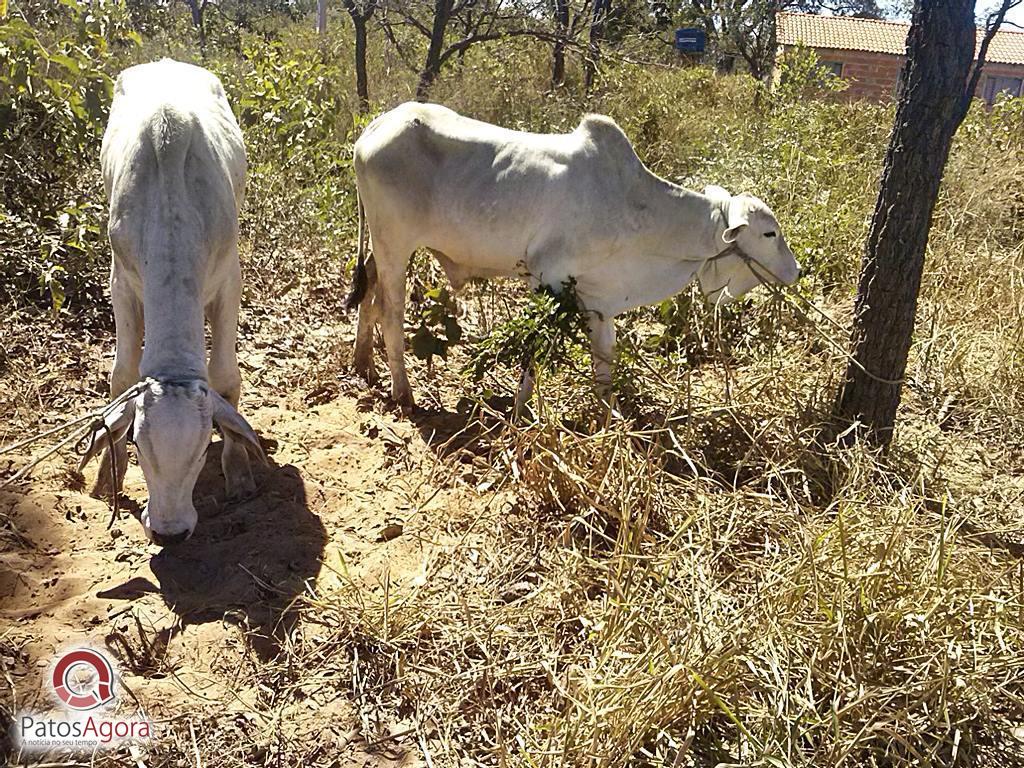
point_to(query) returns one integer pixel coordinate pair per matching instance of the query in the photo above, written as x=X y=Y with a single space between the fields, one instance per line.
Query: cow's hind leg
x=226 y=378
x=128 y=323
x=391 y=264
x=362 y=358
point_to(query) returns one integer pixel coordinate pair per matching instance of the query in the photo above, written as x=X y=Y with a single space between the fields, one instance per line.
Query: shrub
x=55 y=92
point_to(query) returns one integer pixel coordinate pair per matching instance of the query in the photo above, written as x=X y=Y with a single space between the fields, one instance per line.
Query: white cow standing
x=174 y=170
x=489 y=201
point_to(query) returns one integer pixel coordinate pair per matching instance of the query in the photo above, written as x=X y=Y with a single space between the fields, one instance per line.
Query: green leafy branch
x=545 y=335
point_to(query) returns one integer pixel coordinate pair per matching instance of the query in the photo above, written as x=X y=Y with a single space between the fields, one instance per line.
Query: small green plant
x=547 y=334
x=803 y=76
x=439 y=328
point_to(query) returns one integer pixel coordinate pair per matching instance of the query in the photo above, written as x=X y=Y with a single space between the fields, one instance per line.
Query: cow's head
x=752 y=250
x=172 y=422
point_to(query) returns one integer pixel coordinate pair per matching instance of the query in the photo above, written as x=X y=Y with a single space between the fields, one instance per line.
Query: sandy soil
x=353 y=492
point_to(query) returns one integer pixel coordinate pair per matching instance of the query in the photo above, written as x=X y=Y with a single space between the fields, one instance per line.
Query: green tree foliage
x=55 y=91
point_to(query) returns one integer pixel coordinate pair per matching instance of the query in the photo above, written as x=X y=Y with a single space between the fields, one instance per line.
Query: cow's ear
x=230 y=421
x=114 y=427
x=732 y=233
x=739 y=217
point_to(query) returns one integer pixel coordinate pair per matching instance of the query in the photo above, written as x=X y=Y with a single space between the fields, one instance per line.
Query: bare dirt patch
x=203 y=631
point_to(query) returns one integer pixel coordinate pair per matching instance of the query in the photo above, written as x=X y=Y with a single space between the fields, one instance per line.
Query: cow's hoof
x=406 y=405
x=234 y=463
x=101 y=489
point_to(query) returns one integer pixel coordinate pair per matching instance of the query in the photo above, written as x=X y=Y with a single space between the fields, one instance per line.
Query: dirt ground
x=353 y=493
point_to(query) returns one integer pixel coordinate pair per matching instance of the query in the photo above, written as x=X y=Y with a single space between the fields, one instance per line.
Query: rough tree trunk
x=432 y=64
x=360 y=16
x=362 y=87
x=940 y=49
x=601 y=8
x=558 y=54
x=197 y=7
x=321 y=16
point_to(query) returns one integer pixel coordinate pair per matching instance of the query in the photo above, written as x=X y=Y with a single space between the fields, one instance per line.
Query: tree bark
x=362 y=86
x=360 y=16
x=321 y=16
x=940 y=50
x=432 y=64
x=601 y=8
x=197 y=8
x=558 y=53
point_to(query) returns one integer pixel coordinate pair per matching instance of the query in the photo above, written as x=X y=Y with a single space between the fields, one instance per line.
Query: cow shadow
x=247 y=561
x=470 y=430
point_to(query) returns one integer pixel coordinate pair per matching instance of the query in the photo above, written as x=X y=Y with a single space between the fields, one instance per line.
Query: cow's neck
x=689 y=225
x=175 y=344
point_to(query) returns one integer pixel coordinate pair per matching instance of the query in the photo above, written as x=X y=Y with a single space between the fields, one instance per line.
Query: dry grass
x=699 y=583
x=691 y=579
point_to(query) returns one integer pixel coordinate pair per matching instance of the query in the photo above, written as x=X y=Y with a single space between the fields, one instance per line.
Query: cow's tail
x=359 y=278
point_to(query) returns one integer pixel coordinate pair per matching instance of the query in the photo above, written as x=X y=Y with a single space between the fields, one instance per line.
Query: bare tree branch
x=994 y=21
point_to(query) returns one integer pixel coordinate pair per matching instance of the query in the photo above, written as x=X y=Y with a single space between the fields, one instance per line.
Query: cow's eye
x=769 y=234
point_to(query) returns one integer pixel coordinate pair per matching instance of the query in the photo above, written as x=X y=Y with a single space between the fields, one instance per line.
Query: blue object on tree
x=690 y=40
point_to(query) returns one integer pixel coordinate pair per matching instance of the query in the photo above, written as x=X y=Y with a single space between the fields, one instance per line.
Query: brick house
x=869 y=53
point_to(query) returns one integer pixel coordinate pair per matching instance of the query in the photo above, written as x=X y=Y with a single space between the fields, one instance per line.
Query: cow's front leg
x=226 y=378
x=524 y=392
x=602 y=346
x=128 y=325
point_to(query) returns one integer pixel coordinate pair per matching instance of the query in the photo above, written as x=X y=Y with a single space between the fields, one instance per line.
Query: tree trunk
x=940 y=49
x=360 y=16
x=558 y=54
x=601 y=8
x=432 y=64
x=772 y=49
x=362 y=88
x=197 y=7
x=321 y=16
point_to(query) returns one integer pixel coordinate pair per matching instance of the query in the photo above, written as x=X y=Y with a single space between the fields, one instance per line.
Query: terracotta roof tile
x=854 y=34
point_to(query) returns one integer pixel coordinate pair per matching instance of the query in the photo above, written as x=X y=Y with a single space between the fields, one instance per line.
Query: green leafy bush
x=547 y=334
x=55 y=92
x=291 y=98
x=439 y=328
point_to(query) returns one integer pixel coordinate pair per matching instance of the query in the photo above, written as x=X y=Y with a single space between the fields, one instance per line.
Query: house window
x=995 y=86
x=834 y=68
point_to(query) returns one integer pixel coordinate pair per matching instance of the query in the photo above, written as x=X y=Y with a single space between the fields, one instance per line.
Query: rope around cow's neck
x=97 y=422
x=92 y=417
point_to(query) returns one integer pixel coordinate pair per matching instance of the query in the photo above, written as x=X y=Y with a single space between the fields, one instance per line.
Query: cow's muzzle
x=169 y=539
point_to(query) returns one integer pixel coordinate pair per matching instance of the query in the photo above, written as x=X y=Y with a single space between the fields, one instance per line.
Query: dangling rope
x=112 y=451
x=97 y=421
x=786 y=295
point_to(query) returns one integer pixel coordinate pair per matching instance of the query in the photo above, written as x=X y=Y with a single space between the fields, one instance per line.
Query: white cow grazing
x=489 y=201
x=174 y=169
